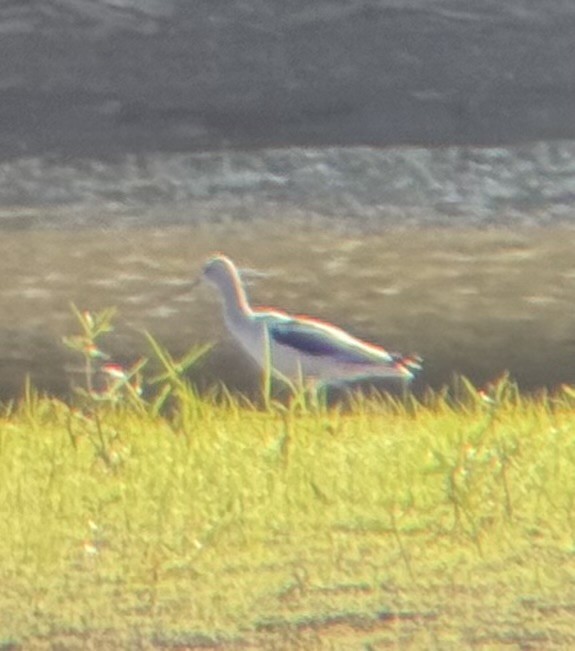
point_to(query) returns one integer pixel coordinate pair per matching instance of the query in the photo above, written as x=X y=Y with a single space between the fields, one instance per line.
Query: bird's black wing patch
x=312 y=341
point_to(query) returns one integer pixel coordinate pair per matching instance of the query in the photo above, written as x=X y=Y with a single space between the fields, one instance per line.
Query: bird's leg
x=317 y=393
x=267 y=370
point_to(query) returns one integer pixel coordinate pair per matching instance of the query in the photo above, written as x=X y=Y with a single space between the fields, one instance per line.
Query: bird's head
x=219 y=270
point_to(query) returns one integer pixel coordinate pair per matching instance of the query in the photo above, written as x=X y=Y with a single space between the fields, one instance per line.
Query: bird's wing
x=318 y=340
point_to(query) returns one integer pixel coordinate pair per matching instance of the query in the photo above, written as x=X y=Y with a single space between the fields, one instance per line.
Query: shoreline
x=409 y=186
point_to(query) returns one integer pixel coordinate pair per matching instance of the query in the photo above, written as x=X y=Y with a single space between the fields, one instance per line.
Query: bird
x=299 y=347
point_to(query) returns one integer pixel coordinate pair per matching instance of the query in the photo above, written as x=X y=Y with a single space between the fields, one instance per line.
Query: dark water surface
x=470 y=301
x=99 y=78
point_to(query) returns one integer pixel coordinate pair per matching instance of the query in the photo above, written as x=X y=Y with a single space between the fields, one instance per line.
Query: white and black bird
x=300 y=347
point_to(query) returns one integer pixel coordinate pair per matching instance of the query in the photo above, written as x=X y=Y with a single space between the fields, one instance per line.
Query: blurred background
x=404 y=168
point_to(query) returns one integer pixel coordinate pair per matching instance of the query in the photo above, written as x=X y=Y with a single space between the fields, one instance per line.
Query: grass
x=149 y=517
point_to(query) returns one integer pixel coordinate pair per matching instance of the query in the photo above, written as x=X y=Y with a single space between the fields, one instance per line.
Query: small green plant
x=172 y=386
x=87 y=344
x=107 y=383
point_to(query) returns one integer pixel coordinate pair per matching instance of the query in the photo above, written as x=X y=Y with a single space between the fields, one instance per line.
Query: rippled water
x=470 y=301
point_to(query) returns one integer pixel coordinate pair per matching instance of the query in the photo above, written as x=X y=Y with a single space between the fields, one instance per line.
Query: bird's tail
x=412 y=364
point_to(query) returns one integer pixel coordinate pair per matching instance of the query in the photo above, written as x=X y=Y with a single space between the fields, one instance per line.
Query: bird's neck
x=236 y=306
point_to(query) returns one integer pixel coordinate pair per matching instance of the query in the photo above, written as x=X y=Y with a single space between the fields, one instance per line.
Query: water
x=469 y=301
x=229 y=125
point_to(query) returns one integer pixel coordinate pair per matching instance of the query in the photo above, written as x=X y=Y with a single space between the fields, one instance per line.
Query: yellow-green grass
x=433 y=524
